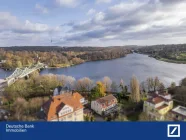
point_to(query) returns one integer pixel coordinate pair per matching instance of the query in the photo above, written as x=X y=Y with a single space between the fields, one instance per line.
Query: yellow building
x=158 y=106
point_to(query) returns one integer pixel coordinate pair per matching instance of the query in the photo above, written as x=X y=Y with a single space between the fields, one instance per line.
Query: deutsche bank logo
x=173 y=130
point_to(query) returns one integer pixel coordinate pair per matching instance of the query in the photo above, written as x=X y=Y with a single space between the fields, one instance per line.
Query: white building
x=179 y=113
x=104 y=105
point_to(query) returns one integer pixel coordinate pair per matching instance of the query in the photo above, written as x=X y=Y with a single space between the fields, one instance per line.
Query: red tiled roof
x=106 y=99
x=54 y=105
x=155 y=100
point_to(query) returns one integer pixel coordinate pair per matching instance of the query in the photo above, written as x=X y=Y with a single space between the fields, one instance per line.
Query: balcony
x=111 y=110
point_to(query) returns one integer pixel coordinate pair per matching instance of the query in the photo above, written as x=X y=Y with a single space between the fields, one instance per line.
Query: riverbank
x=66 y=65
x=171 y=61
x=164 y=59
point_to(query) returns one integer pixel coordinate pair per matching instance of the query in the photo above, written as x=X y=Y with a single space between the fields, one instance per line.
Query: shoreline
x=66 y=66
x=164 y=59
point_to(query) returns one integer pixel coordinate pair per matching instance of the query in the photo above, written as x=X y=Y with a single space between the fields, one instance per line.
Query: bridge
x=23 y=72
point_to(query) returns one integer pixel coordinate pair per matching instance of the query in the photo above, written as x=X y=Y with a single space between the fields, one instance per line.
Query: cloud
x=68 y=3
x=9 y=22
x=136 y=20
x=91 y=12
x=103 y=1
x=41 y=9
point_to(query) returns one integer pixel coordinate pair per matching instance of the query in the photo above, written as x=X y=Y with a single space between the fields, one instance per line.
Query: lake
x=139 y=65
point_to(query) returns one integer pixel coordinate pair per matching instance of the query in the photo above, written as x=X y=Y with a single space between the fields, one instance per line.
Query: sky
x=92 y=22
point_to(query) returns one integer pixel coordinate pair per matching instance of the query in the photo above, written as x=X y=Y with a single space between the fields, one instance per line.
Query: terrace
x=180 y=110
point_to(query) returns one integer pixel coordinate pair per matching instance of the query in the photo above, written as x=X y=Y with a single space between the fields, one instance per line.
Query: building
x=104 y=105
x=64 y=107
x=158 y=105
x=178 y=113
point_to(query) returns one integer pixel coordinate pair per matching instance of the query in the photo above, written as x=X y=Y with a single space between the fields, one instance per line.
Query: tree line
x=57 y=57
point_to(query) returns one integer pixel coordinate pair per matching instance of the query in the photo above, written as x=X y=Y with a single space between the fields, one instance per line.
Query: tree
x=19 y=107
x=121 y=118
x=183 y=82
x=98 y=90
x=70 y=81
x=18 y=64
x=144 y=117
x=88 y=83
x=114 y=87
x=143 y=87
x=150 y=83
x=84 y=84
x=47 y=82
x=156 y=83
x=173 y=85
x=161 y=87
x=123 y=87
x=135 y=90
x=101 y=88
x=107 y=82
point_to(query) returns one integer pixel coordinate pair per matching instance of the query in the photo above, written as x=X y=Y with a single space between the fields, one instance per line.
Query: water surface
x=133 y=64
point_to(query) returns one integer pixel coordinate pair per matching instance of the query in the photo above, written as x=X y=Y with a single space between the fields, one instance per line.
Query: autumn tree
x=98 y=90
x=84 y=84
x=135 y=89
x=20 y=105
x=107 y=82
x=101 y=88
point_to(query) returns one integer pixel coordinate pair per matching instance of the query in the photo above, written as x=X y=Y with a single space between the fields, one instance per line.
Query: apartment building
x=104 y=105
x=158 y=105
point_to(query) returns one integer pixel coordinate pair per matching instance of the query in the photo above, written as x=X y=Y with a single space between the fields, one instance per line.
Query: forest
x=54 y=56
x=175 y=53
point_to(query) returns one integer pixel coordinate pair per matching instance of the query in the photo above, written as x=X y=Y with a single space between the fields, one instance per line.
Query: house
x=64 y=107
x=104 y=105
x=178 y=113
x=158 y=105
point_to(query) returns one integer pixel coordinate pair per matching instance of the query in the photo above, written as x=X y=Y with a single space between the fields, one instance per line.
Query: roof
x=180 y=110
x=155 y=100
x=162 y=107
x=56 y=103
x=106 y=99
x=157 y=93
